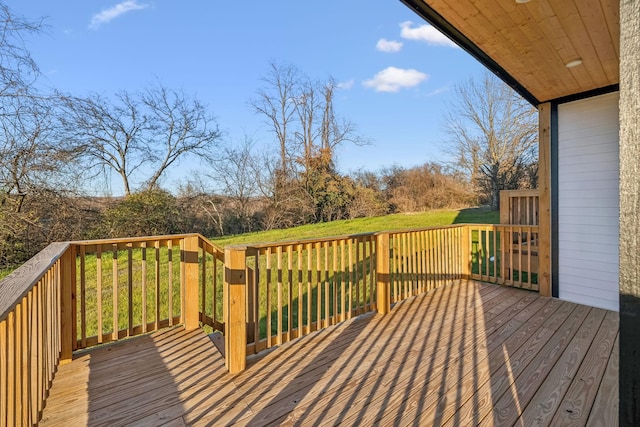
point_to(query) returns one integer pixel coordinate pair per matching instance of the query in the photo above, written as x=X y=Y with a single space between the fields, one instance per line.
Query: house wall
x=588 y=201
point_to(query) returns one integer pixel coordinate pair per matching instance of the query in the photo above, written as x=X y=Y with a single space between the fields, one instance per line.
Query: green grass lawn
x=360 y=225
x=367 y=225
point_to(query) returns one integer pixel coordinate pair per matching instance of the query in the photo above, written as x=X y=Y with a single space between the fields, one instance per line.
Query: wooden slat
x=335 y=269
x=214 y=288
x=170 y=281
x=279 y=330
x=289 y=291
x=507 y=409
x=100 y=328
x=325 y=275
x=33 y=336
x=269 y=302
x=83 y=297
x=575 y=407
x=372 y=269
x=130 y=289
x=4 y=367
x=351 y=276
x=343 y=281
x=605 y=407
x=255 y=297
x=309 y=250
x=430 y=354
x=12 y=357
x=156 y=247
x=300 y=322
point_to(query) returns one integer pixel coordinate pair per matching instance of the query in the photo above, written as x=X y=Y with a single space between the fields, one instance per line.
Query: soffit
x=532 y=42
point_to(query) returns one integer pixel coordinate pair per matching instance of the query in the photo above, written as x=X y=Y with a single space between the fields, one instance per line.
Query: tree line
x=55 y=146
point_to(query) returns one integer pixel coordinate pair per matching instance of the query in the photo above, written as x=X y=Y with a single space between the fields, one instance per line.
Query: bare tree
x=236 y=172
x=33 y=182
x=34 y=178
x=180 y=127
x=276 y=102
x=18 y=70
x=109 y=136
x=493 y=135
x=139 y=136
x=301 y=114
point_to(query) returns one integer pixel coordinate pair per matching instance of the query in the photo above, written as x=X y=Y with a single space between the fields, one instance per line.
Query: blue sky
x=397 y=71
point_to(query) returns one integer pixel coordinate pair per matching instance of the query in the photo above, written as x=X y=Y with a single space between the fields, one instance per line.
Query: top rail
x=264 y=245
x=19 y=282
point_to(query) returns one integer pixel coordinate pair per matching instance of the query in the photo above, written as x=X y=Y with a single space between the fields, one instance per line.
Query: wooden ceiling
x=532 y=42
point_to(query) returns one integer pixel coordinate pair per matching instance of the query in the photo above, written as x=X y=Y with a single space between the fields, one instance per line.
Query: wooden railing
x=505 y=254
x=520 y=207
x=33 y=303
x=425 y=259
x=74 y=295
x=280 y=291
x=78 y=294
x=128 y=287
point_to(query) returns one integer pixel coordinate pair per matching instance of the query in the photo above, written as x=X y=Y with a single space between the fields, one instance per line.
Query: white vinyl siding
x=588 y=201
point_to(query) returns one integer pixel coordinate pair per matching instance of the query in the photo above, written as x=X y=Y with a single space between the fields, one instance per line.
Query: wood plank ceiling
x=534 y=41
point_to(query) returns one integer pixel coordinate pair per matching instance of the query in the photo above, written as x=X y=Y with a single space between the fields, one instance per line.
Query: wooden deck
x=465 y=354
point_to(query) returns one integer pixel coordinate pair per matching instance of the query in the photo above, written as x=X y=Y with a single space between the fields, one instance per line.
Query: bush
x=146 y=213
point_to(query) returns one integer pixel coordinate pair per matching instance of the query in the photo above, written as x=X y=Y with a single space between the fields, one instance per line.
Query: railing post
x=190 y=315
x=383 y=287
x=465 y=256
x=235 y=316
x=67 y=303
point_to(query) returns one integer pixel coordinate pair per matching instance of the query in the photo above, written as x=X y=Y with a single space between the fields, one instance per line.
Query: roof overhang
x=544 y=49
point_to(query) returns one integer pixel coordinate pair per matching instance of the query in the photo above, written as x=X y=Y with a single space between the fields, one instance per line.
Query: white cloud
x=425 y=33
x=438 y=91
x=392 y=79
x=389 y=46
x=346 y=85
x=107 y=15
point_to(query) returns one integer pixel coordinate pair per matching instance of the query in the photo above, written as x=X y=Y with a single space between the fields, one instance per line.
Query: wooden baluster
x=143 y=286
x=99 y=291
x=309 y=286
x=289 y=292
x=269 y=302
x=279 y=319
x=300 y=323
x=130 y=288
x=67 y=306
x=170 y=280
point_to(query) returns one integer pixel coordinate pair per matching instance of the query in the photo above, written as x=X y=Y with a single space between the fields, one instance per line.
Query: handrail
x=261 y=245
x=20 y=281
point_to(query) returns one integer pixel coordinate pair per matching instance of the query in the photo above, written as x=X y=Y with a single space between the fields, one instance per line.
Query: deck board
x=464 y=354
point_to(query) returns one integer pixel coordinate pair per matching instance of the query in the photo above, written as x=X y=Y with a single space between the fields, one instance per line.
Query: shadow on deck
x=464 y=354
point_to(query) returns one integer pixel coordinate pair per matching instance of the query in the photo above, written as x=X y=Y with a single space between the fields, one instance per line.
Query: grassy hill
x=361 y=225
x=367 y=225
